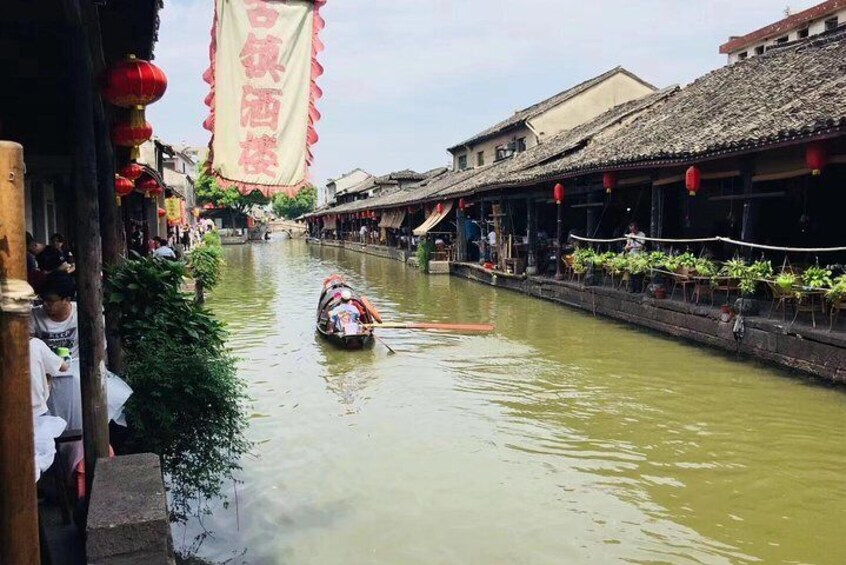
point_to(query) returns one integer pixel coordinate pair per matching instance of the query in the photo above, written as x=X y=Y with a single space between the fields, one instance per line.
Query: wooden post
x=531 y=262
x=656 y=218
x=750 y=206
x=18 y=503
x=559 y=236
x=460 y=224
x=111 y=232
x=590 y=220
x=95 y=433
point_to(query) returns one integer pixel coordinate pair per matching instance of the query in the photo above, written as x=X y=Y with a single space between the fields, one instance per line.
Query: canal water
x=561 y=438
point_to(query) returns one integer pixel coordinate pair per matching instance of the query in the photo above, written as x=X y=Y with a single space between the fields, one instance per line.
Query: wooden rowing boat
x=344 y=317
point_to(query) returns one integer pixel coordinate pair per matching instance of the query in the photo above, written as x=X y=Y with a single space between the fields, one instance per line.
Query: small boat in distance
x=344 y=317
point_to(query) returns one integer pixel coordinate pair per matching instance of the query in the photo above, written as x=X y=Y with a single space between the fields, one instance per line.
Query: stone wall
x=816 y=352
x=377 y=250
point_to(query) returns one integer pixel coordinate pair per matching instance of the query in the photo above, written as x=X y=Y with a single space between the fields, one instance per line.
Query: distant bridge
x=292 y=228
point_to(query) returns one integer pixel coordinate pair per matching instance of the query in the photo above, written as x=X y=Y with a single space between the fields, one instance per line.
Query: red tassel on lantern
x=609 y=181
x=558 y=193
x=693 y=180
x=123 y=187
x=816 y=157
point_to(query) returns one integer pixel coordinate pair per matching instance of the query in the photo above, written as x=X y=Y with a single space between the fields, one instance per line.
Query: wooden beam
x=759 y=196
x=18 y=501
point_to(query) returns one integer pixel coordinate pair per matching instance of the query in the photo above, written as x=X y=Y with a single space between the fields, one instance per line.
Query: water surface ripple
x=559 y=439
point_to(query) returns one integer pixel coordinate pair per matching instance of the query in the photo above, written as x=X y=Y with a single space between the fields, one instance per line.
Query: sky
x=405 y=79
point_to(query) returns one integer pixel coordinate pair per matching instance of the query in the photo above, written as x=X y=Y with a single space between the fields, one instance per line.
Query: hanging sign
x=173 y=207
x=263 y=92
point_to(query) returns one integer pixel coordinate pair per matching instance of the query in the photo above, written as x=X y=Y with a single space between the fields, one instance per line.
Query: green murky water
x=560 y=439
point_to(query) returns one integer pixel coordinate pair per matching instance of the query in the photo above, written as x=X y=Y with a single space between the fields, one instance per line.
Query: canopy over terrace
x=433 y=219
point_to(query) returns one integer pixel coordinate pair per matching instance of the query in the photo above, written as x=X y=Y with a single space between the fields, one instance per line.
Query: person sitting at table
x=57 y=242
x=43 y=364
x=162 y=249
x=55 y=321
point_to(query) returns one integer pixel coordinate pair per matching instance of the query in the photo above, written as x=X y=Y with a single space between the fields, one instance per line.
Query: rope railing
x=714 y=240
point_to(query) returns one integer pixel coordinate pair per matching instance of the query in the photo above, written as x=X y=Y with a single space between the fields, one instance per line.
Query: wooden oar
x=382 y=341
x=475 y=328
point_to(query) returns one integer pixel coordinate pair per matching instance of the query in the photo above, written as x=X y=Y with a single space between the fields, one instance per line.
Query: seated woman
x=345 y=317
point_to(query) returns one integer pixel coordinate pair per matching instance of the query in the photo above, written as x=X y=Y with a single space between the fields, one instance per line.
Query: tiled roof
x=535 y=110
x=789 y=93
x=782 y=26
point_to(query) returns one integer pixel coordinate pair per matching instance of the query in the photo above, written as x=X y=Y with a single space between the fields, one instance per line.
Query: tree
x=294 y=207
x=209 y=192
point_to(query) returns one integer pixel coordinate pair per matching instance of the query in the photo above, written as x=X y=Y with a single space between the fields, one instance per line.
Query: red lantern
x=558 y=193
x=131 y=171
x=693 y=180
x=149 y=186
x=816 y=157
x=440 y=208
x=123 y=187
x=161 y=212
x=462 y=204
x=609 y=181
x=132 y=133
x=133 y=82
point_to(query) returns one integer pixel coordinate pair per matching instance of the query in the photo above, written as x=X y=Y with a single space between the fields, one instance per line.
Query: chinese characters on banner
x=173 y=207
x=263 y=78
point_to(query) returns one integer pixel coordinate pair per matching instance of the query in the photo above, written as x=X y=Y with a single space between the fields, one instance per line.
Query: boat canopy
x=434 y=219
x=392 y=218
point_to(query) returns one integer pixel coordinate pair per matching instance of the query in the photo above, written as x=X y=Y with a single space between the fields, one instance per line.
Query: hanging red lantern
x=132 y=133
x=439 y=208
x=609 y=181
x=149 y=186
x=816 y=157
x=558 y=193
x=131 y=171
x=161 y=212
x=133 y=82
x=693 y=180
x=123 y=187
x=462 y=204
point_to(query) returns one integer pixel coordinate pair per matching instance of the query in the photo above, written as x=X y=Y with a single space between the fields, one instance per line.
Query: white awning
x=434 y=219
x=392 y=218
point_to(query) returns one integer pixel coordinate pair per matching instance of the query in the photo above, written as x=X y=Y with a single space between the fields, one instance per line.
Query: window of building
x=480 y=158
x=502 y=152
x=782 y=40
x=742 y=56
x=462 y=162
x=831 y=23
x=802 y=34
x=521 y=145
x=759 y=50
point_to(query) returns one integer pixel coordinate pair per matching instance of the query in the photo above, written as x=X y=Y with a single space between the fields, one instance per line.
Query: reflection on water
x=560 y=439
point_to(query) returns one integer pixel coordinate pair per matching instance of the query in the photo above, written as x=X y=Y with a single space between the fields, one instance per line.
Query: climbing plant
x=188 y=403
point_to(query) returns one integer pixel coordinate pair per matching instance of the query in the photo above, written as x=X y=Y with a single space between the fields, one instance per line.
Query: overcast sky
x=407 y=78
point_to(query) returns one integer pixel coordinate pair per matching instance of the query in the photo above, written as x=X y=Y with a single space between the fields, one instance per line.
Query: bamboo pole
x=18 y=503
x=95 y=432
